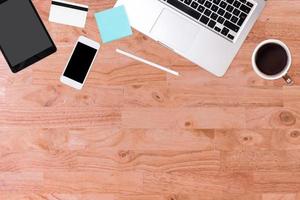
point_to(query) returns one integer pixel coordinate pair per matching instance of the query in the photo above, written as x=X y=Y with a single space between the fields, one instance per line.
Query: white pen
x=147 y=62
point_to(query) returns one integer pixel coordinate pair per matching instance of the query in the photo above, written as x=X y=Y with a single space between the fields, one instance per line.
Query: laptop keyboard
x=224 y=17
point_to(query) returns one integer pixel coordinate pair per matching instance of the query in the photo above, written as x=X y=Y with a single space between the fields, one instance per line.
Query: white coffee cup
x=284 y=73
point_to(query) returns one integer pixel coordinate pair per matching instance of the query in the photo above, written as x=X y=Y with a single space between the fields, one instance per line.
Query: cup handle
x=288 y=79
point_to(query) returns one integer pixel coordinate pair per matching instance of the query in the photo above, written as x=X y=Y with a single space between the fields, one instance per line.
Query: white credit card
x=68 y=13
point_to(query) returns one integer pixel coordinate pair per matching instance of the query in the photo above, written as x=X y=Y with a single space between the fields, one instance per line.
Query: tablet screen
x=22 y=34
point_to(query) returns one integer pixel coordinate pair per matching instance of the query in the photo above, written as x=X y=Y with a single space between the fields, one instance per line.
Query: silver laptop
x=207 y=32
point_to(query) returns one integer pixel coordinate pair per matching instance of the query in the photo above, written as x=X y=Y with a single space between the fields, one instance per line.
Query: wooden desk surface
x=136 y=133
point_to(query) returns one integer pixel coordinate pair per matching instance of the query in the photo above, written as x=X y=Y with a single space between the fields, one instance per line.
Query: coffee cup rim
x=276 y=76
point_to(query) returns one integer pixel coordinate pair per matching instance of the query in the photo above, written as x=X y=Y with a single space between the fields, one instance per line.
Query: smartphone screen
x=80 y=62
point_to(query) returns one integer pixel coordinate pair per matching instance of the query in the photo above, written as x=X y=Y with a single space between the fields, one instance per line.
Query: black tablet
x=24 y=39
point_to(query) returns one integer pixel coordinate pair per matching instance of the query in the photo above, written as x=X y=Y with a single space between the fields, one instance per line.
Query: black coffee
x=271 y=59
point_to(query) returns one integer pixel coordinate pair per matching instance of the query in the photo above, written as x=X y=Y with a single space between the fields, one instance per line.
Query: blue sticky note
x=113 y=24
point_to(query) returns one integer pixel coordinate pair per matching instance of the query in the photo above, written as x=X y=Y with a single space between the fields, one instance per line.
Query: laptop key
x=245 y=9
x=242 y=19
x=234 y=19
x=223 y=4
x=217 y=29
x=230 y=36
x=204 y=19
x=225 y=31
x=194 y=5
x=207 y=4
x=240 y=22
x=229 y=8
x=207 y=12
x=227 y=15
x=236 y=4
x=231 y=26
x=187 y=2
x=214 y=8
x=221 y=12
x=249 y=4
x=201 y=9
x=212 y=23
x=184 y=8
x=243 y=16
x=216 y=2
x=236 y=12
x=214 y=16
x=201 y=1
x=221 y=20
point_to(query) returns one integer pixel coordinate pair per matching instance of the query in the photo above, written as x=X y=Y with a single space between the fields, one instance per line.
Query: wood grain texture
x=136 y=133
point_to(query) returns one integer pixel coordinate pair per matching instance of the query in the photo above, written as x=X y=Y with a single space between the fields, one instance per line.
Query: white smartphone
x=80 y=63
